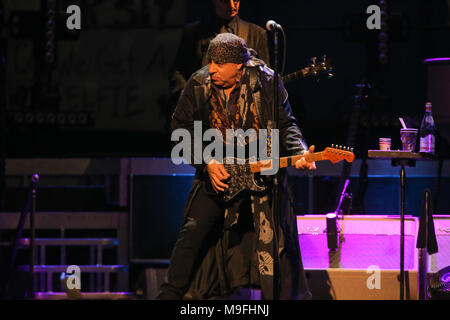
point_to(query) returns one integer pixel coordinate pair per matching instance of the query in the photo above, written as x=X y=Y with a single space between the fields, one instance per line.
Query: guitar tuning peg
x=332 y=145
x=313 y=60
x=351 y=149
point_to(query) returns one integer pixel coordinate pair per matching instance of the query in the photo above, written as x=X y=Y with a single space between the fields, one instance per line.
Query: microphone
x=332 y=232
x=272 y=25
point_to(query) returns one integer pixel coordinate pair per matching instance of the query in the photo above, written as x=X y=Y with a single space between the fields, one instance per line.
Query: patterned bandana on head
x=227 y=47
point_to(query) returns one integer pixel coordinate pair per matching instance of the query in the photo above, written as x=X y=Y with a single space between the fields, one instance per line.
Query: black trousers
x=203 y=221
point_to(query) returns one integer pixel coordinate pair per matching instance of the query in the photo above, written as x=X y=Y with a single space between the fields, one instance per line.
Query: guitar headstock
x=319 y=68
x=338 y=153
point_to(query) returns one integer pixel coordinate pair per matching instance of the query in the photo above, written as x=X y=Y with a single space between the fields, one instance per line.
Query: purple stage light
x=437 y=60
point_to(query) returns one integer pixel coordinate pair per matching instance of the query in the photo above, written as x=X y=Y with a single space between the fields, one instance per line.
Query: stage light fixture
x=50 y=29
x=51 y=118
x=72 y=119
x=383 y=48
x=25 y=24
x=61 y=119
x=18 y=118
x=40 y=118
x=83 y=119
x=29 y=118
x=383 y=36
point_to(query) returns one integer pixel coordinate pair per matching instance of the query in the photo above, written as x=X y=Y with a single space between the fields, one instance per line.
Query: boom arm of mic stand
x=342 y=196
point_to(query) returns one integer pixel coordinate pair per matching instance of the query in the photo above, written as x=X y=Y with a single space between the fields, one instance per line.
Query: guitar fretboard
x=333 y=154
x=286 y=161
x=294 y=76
x=290 y=161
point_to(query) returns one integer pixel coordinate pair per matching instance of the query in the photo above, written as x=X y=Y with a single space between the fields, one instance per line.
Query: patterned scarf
x=243 y=115
x=241 y=112
x=263 y=224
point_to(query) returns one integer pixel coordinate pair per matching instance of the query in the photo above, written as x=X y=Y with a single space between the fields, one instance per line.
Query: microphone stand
x=275 y=191
x=30 y=208
x=426 y=242
x=3 y=130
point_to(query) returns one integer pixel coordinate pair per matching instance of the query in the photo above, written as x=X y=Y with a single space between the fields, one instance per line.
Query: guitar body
x=241 y=178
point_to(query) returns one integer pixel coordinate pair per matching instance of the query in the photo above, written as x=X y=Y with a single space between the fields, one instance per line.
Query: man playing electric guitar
x=224 y=246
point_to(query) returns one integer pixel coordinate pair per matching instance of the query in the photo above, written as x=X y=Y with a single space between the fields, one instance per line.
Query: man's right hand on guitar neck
x=217 y=174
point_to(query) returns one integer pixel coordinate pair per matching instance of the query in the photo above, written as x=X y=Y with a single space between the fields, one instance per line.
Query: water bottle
x=427 y=131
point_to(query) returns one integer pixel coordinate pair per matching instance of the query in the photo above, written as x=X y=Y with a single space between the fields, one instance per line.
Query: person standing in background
x=196 y=37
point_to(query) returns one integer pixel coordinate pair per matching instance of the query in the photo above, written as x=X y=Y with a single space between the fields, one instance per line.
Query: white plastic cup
x=385 y=144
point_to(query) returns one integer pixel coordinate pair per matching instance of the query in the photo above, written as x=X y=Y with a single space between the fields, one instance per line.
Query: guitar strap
x=256 y=90
x=203 y=93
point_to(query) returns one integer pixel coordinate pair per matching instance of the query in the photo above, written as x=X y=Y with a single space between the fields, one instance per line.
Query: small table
x=401 y=158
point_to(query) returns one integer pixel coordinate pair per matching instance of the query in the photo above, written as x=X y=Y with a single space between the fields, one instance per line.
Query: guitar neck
x=287 y=161
x=294 y=76
x=290 y=161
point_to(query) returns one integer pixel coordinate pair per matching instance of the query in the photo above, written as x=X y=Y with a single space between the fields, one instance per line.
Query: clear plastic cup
x=408 y=137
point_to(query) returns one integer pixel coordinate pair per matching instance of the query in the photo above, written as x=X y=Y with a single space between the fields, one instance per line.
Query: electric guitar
x=245 y=174
x=315 y=69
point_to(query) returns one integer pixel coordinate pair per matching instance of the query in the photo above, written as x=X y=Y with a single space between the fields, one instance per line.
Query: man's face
x=226 y=9
x=225 y=75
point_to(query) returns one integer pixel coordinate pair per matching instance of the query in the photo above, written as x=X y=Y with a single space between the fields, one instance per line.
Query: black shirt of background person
x=191 y=55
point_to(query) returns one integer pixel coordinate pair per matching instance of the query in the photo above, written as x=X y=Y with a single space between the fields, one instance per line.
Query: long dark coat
x=231 y=261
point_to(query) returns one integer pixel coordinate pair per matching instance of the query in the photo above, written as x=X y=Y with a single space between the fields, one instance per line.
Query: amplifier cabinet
x=366 y=264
